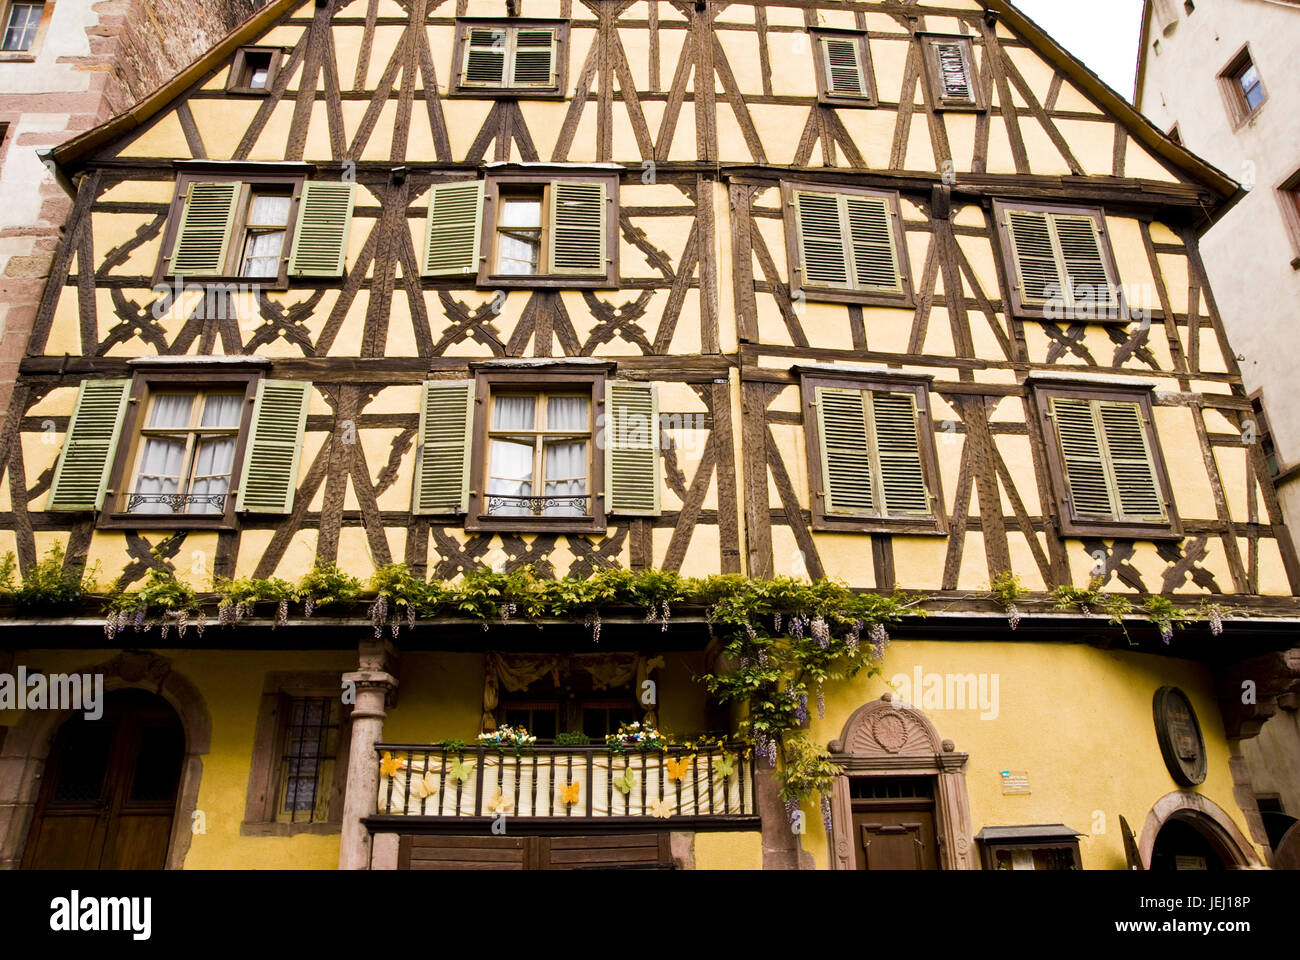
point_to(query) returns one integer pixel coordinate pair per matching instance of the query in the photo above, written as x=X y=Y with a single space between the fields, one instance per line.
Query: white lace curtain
x=564 y=462
x=162 y=463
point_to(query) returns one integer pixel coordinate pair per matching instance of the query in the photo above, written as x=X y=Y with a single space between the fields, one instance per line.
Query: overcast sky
x=1101 y=33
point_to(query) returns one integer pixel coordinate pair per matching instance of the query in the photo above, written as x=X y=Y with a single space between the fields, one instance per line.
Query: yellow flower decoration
x=389 y=765
x=677 y=769
x=660 y=809
x=501 y=804
x=569 y=794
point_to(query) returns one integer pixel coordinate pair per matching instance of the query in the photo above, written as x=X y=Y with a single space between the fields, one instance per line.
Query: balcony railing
x=176 y=502
x=564 y=505
x=539 y=781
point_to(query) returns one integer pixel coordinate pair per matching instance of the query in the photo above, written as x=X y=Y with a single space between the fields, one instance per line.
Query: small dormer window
x=254 y=70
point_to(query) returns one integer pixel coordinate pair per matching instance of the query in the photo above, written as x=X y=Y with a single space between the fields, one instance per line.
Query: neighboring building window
x=845 y=244
x=266 y=230
x=525 y=231
x=1289 y=195
x=842 y=60
x=546 y=449
x=871 y=455
x=950 y=72
x=1263 y=435
x=1242 y=86
x=1176 y=135
x=254 y=69
x=297 y=775
x=519 y=58
x=20 y=26
x=182 y=448
x=1107 y=470
x=1059 y=263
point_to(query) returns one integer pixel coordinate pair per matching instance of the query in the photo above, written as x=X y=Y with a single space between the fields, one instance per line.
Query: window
x=298 y=772
x=1189 y=6
x=950 y=72
x=1176 y=135
x=184 y=447
x=871 y=456
x=20 y=26
x=254 y=70
x=842 y=60
x=509 y=57
x=574 y=705
x=270 y=229
x=525 y=231
x=1263 y=435
x=550 y=448
x=1052 y=846
x=1059 y=263
x=846 y=245
x=1289 y=196
x=1242 y=87
x=1105 y=462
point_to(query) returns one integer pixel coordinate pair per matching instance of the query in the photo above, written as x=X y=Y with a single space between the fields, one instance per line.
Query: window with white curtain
x=265 y=227
x=539 y=455
x=186 y=453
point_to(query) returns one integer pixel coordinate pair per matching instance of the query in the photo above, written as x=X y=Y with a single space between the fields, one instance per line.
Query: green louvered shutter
x=81 y=475
x=898 y=452
x=822 y=256
x=844 y=75
x=320 y=240
x=1136 y=486
x=1086 y=475
x=452 y=231
x=485 y=58
x=871 y=233
x=631 y=449
x=847 y=476
x=1082 y=259
x=442 y=458
x=204 y=235
x=1038 y=273
x=270 y=475
x=577 y=228
x=534 y=58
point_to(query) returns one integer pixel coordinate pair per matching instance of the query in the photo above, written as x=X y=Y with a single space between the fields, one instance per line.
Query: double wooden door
x=893 y=823
x=109 y=792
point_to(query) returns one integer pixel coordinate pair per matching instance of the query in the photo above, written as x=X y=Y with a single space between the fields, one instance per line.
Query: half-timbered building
x=892 y=293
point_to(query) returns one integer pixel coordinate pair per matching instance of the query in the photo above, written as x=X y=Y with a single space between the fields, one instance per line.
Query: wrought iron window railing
x=177 y=502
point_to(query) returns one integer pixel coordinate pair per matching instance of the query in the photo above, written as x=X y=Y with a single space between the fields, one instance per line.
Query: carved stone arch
x=1208 y=818
x=24 y=750
x=890 y=738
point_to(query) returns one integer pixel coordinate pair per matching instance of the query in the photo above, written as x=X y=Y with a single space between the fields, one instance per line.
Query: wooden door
x=640 y=851
x=109 y=792
x=893 y=823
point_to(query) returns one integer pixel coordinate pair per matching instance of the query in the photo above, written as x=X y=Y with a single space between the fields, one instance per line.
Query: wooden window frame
x=1005 y=252
x=1239 y=111
x=113 y=516
x=278 y=690
x=575 y=379
x=38 y=39
x=1042 y=393
x=252 y=179
x=492 y=190
x=1288 y=195
x=455 y=86
x=933 y=80
x=240 y=65
x=824 y=92
x=822 y=521
x=826 y=294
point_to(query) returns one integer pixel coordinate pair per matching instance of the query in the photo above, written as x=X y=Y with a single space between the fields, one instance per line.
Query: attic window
x=254 y=70
x=950 y=72
x=517 y=57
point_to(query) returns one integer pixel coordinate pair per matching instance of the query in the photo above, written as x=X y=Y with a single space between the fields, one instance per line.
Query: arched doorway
x=1187 y=831
x=108 y=796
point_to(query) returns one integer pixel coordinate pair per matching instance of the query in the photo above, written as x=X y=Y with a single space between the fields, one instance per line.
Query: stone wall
x=91 y=60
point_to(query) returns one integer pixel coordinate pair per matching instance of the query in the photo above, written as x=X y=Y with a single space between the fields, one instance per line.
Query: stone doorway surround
x=889 y=738
x=24 y=750
x=1210 y=821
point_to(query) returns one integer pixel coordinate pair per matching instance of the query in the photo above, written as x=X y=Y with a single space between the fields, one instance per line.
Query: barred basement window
x=950 y=73
x=308 y=755
x=270 y=229
x=1105 y=461
x=846 y=245
x=509 y=57
x=842 y=60
x=1059 y=263
x=871 y=455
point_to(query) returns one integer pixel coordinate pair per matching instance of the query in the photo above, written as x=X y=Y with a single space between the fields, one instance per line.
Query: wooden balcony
x=563 y=789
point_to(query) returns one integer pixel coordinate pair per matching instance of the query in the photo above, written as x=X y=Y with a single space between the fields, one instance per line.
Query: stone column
x=376 y=689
